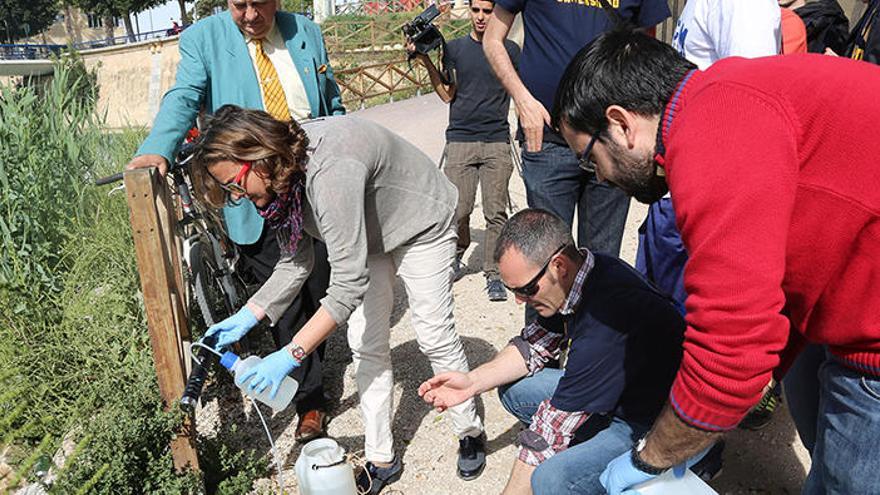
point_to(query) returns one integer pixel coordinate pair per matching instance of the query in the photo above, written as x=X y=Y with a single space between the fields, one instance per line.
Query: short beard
x=636 y=176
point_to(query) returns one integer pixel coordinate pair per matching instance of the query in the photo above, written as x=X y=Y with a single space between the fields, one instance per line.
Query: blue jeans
x=847 y=433
x=801 y=385
x=556 y=183
x=576 y=469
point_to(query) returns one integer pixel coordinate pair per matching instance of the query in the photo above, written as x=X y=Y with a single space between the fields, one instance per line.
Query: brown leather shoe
x=311 y=426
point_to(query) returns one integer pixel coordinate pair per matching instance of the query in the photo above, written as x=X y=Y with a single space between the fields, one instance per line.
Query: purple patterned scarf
x=285 y=214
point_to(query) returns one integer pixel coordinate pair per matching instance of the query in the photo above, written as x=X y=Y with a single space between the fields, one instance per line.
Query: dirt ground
x=770 y=461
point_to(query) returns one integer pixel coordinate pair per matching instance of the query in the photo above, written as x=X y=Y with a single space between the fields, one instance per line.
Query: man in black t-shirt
x=624 y=345
x=478 y=136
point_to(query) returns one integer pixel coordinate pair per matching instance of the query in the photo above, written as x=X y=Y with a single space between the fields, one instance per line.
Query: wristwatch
x=642 y=465
x=298 y=353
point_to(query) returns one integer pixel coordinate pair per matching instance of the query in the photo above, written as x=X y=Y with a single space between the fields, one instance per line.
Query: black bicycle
x=214 y=288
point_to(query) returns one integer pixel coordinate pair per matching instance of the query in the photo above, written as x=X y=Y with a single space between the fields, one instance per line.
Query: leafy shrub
x=75 y=356
x=82 y=82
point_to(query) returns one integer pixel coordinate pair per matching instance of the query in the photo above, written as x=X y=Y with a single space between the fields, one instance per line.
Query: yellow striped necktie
x=273 y=94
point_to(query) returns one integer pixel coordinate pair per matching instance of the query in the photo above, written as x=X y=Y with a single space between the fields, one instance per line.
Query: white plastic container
x=321 y=469
x=239 y=366
x=668 y=484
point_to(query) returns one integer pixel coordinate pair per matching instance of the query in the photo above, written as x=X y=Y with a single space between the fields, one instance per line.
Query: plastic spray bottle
x=238 y=367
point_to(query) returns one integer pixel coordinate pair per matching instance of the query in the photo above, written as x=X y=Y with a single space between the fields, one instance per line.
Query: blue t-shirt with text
x=556 y=30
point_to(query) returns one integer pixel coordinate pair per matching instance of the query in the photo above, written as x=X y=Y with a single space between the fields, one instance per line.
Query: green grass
x=75 y=356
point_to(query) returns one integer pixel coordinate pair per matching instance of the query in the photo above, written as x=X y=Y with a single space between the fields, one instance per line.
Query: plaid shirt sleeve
x=549 y=434
x=537 y=346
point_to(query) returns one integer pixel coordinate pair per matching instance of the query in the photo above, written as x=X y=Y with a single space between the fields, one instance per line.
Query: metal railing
x=134 y=38
x=29 y=51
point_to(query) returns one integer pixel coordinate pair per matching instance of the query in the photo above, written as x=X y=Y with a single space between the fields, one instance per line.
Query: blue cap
x=228 y=360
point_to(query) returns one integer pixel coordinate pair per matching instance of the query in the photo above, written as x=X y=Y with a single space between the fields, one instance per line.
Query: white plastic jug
x=239 y=366
x=321 y=469
x=668 y=484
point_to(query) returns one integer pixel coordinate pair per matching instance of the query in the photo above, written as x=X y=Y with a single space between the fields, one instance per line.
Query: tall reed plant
x=72 y=327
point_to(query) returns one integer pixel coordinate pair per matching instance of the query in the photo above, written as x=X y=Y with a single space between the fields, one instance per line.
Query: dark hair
x=620 y=67
x=535 y=233
x=276 y=149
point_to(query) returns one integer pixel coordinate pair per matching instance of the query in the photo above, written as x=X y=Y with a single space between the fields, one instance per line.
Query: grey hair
x=535 y=233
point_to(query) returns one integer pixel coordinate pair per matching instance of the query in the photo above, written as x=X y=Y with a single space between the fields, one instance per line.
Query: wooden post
x=153 y=222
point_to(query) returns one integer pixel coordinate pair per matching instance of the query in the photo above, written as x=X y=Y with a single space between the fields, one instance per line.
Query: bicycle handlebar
x=109 y=179
x=183 y=157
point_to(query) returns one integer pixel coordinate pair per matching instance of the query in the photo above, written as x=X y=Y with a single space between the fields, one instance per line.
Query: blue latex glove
x=621 y=474
x=270 y=371
x=232 y=329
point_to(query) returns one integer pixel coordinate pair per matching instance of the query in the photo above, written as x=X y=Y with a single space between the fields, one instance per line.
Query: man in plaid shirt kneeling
x=619 y=354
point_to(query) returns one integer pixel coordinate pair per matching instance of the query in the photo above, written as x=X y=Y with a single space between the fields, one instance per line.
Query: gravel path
x=770 y=461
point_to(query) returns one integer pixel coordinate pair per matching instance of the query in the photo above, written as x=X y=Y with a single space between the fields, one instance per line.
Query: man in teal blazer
x=216 y=69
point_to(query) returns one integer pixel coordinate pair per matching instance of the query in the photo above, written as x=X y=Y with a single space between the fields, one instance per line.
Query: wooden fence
x=157 y=249
x=381 y=81
x=377 y=7
x=379 y=71
x=352 y=34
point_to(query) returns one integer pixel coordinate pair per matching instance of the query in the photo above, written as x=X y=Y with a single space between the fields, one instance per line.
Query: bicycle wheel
x=209 y=295
x=212 y=304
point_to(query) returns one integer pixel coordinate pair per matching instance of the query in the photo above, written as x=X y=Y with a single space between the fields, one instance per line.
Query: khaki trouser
x=490 y=165
x=426 y=271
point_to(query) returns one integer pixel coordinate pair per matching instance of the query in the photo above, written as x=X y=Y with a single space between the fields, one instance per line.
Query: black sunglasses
x=531 y=288
x=584 y=161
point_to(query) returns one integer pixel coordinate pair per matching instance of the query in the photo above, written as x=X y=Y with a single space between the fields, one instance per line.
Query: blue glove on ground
x=270 y=371
x=232 y=329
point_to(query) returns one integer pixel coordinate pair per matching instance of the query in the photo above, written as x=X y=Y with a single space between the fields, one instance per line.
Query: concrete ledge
x=25 y=67
x=136 y=46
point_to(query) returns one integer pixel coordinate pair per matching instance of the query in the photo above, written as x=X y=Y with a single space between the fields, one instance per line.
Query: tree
x=122 y=9
x=184 y=18
x=204 y=8
x=20 y=19
x=298 y=6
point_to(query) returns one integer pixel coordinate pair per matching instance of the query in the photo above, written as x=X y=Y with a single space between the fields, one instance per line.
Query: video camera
x=424 y=35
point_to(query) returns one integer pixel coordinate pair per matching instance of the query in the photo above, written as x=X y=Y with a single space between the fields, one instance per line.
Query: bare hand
x=147 y=161
x=829 y=51
x=447 y=389
x=532 y=117
x=411 y=50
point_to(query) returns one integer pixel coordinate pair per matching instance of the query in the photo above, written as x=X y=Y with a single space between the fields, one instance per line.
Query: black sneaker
x=710 y=465
x=762 y=413
x=372 y=479
x=496 y=289
x=471 y=457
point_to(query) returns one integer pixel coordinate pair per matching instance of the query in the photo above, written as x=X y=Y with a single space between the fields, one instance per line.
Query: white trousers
x=426 y=270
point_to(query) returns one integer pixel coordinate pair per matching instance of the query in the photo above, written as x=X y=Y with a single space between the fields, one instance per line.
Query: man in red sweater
x=778 y=203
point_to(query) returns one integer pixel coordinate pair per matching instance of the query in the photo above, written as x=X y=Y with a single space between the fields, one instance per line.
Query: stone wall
x=133 y=78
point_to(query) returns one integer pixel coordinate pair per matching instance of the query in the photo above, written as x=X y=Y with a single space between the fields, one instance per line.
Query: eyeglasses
x=584 y=161
x=237 y=184
x=476 y=10
x=531 y=288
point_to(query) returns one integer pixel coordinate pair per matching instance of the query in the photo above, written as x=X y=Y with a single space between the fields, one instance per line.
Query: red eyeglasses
x=237 y=184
